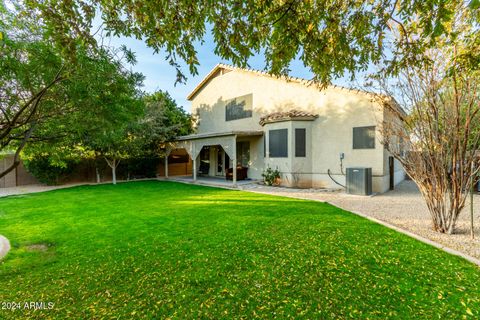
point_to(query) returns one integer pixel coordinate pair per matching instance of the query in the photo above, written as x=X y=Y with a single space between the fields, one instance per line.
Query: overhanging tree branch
x=16 y=157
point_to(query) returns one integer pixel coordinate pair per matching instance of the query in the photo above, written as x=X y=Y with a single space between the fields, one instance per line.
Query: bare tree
x=437 y=139
x=433 y=126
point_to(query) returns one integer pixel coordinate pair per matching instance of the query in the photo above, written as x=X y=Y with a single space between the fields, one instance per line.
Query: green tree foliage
x=115 y=143
x=162 y=122
x=29 y=78
x=141 y=138
x=131 y=138
x=47 y=97
x=47 y=171
x=330 y=37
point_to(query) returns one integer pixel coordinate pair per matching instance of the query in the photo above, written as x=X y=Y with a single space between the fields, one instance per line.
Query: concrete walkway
x=34 y=188
x=4 y=192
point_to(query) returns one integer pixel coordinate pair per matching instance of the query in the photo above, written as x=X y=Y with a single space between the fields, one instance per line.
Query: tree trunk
x=97 y=174
x=114 y=173
x=444 y=208
x=113 y=164
x=472 y=229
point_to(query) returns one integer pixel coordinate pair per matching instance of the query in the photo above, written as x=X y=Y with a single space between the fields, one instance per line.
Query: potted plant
x=271 y=177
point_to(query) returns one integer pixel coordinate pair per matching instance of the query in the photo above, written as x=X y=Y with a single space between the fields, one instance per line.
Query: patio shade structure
x=194 y=143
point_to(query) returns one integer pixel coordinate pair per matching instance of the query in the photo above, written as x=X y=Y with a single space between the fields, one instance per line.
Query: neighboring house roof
x=286 y=116
x=222 y=68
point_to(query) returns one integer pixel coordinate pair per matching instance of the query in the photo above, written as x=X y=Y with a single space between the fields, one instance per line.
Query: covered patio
x=224 y=145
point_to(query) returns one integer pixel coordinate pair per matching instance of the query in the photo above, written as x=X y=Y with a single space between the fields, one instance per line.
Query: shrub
x=45 y=171
x=142 y=167
x=270 y=176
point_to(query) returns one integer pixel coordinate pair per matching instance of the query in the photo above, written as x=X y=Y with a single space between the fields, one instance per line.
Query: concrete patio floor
x=211 y=181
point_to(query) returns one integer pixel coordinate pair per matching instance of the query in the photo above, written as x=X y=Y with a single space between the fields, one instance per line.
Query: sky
x=159 y=75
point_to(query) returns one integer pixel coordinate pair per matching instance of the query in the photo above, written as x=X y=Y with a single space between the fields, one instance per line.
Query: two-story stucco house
x=254 y=120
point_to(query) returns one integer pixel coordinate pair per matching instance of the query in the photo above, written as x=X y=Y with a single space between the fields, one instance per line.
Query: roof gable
x=222 y=68
x=218 y=70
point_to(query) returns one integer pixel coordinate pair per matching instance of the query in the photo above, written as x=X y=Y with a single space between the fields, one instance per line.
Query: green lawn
x=162 y=249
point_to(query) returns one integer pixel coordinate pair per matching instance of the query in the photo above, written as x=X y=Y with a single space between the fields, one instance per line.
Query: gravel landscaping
x=403 y=207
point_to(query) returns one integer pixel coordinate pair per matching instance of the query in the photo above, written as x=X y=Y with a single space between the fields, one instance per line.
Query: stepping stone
x=4 y=246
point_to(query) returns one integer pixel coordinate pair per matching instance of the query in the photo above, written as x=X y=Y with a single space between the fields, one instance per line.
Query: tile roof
x=286 y=116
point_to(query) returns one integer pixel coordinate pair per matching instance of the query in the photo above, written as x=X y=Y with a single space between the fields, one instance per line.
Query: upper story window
x=239 y=108
x=364 y=137
x=278 y=143
x=300 y=142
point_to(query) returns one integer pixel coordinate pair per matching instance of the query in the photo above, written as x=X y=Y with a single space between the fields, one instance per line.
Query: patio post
x=195 y=169
x=234 y=161
x=168 y=150
x=166 y=167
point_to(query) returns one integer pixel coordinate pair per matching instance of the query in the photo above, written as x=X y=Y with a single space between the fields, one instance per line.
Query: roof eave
x=219 y=134
x=205 y=80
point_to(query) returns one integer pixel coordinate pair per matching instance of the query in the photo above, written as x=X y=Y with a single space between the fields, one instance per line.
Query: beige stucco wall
x=338 y=109
x=257 y=160
x=296 y=171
